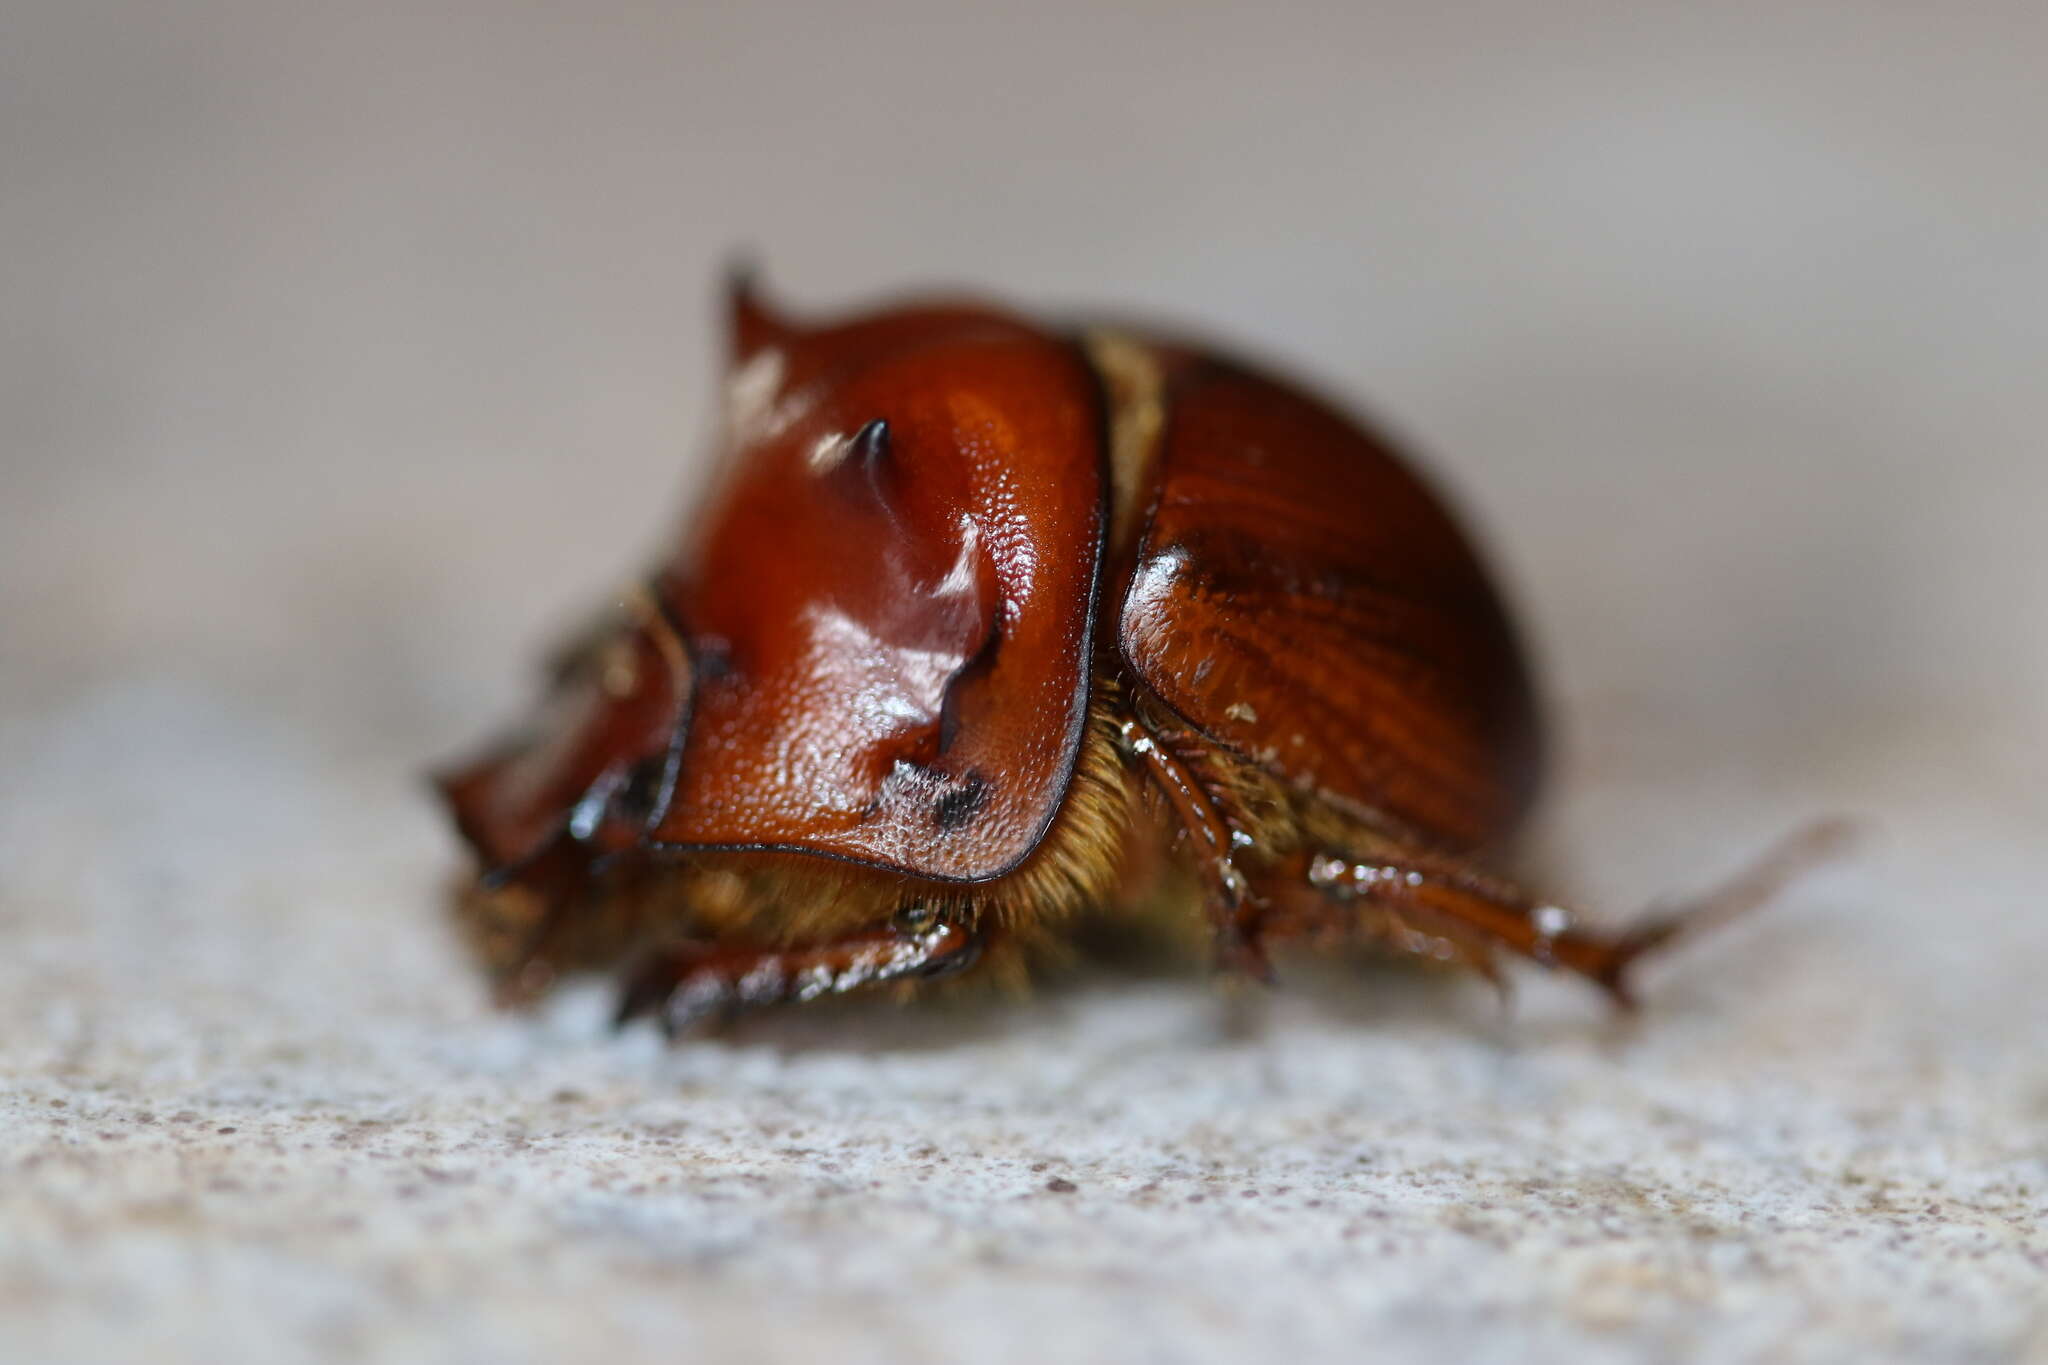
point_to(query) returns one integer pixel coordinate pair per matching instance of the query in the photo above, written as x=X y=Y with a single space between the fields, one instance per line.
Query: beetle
x=982 y=624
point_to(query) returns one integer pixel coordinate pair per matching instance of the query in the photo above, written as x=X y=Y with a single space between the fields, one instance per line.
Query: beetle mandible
x=977 y=612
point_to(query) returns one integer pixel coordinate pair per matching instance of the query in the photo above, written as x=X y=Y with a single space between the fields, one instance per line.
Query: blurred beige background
x=346 y=351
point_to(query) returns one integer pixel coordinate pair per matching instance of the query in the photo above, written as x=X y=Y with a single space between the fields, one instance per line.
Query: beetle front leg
x=1438 y=907
x=687 y=984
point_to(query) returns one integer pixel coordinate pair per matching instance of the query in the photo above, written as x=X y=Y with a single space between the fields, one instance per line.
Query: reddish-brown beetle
x=978 y=614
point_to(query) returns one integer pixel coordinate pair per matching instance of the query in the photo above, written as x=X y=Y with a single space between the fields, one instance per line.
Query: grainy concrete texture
x=347 y=351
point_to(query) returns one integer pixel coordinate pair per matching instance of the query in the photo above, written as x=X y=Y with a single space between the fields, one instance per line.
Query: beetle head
x=597 y=762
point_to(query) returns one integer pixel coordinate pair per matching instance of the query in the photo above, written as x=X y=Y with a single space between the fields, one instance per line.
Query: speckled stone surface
x=348 y=352
x=254 y=1103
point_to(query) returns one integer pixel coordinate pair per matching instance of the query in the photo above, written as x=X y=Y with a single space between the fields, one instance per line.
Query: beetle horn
x=869 y=450
x=751 y=322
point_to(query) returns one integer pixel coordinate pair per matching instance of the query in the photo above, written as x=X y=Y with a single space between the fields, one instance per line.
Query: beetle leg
x=687 y=984
x=1232 y=906
x=515 y=922
x=1439 y=907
